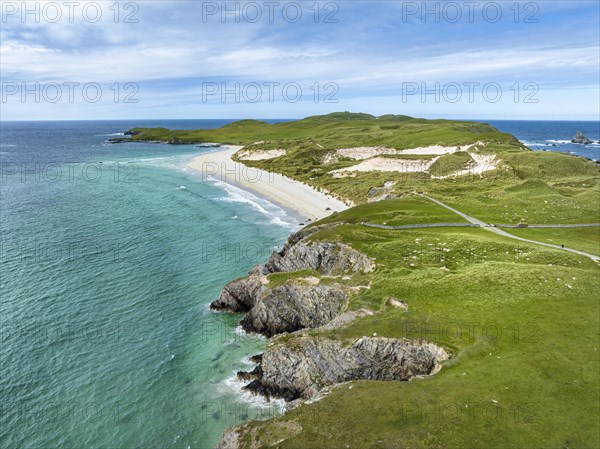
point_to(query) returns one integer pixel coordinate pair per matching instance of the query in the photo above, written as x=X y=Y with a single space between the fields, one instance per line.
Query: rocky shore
x=302 y=366
x=293 y=306
x=302 y=370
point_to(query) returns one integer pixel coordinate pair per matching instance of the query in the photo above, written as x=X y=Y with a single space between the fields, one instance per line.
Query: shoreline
x=303 y=201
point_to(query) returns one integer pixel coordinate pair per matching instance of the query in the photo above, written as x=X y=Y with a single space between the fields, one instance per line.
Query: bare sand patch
x=385 y=164
x=361 y=153
x=481 y=164
x=260 y=155
x=437 y=150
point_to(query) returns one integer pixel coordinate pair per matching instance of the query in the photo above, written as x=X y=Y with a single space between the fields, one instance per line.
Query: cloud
x=172 y=49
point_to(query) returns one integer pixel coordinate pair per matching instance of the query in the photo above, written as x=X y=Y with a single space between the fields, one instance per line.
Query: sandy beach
x=305 y=201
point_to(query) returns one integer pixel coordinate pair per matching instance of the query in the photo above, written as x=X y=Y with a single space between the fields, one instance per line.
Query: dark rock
x=302 y=369
x=240 y=295
x=118 y=139
x=580 y=138
x=132 y=132
x=256 y=358
x=326 y=258
x=249 y=375
x=292 y=307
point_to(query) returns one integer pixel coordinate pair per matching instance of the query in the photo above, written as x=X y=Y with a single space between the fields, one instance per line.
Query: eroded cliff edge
x=300 y=366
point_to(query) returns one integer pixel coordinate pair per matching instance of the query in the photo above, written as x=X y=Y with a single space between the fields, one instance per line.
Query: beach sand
x=301 y=199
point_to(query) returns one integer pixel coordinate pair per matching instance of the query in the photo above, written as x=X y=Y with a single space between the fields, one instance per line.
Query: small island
x=580 y=138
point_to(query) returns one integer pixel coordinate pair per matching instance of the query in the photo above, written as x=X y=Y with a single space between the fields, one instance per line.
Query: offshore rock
x=580 y=138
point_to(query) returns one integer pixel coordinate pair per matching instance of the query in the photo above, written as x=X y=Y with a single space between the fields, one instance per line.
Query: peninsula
x=443 y=295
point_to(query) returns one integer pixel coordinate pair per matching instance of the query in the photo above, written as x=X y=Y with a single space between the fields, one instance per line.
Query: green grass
x=411 y=210
x=583 y=239
x=451 y=163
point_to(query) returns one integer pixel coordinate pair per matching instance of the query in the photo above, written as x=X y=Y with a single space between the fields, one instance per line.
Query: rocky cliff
x=291 y=307
x=299 y=367
x=300 y=370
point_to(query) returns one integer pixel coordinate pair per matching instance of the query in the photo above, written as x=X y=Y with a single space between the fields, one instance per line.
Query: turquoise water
x=106 y=275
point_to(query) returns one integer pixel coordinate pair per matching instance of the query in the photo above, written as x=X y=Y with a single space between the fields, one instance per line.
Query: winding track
x=506 y=234
x=474 y=222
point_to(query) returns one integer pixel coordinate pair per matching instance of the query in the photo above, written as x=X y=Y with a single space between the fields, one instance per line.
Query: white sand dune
x=260 y=155
x=483 y=163
x=360 y=153
x=299 y=197
x=385 y=164
x=437 y=150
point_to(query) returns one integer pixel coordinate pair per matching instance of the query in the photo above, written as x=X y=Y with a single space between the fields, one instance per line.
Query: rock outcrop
x=229 y=440
x=580 y=138
x=326 y=258
x=292 y=307
x=239 y=296
x=301 y=369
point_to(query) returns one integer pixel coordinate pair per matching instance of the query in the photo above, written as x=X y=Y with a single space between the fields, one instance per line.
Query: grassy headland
x=522 y=321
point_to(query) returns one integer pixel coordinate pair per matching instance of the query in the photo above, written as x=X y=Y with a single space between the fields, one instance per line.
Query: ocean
x=109 y=258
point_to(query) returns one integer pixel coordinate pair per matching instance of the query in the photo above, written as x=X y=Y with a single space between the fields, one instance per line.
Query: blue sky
x=179 y=59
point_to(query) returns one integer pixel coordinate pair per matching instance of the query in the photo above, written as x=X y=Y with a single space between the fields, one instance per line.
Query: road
x=506 y=234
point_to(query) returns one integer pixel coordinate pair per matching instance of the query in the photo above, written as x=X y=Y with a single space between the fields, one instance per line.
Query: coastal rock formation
x=229 y=440
x=326 y=258
x=580 y=138
x=132 y=132
x=300 y=370
x=239 y=296
x=291 y=307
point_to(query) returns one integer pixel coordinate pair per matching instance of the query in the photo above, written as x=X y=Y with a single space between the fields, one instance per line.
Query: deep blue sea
x=553 y=135
x=109 y=257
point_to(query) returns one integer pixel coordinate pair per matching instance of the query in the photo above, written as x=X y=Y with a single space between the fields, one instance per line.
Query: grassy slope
x=450 y=163
x=522 y=321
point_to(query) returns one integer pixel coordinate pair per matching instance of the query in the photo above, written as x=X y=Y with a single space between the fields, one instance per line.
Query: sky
x=290 y=59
